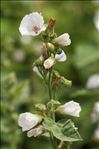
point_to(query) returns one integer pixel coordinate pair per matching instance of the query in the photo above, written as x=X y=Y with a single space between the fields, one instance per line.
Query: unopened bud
x=51 y=47
x=66 y=82
x=39 y=61
x=51 y=23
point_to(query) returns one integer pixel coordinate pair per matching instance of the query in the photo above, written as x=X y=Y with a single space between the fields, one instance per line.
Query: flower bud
x=66 y=82
x=51 y=23
x=70 y=108
x=61 y=57
x=51 y=47
x=36 y=70
x=28 y=120
x=36 y=131
x=48 y=63
x=63 y=40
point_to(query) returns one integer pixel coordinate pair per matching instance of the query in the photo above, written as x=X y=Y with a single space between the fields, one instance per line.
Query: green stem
x=49 y=86
x=68 y=147
x=53 y=141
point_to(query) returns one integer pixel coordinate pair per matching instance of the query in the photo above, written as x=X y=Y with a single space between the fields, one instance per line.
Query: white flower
x=61 y=57
x=36 y=131
x=95 y=113
x=28 y=120
x=36 y=70
x=63 y=40
x=93 y=82
x=32 y=24
x=96 y=20
x=48 y=63
x=70 y=108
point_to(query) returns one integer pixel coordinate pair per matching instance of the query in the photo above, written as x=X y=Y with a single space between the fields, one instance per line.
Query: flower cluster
x=33 y=25
x=51 y=52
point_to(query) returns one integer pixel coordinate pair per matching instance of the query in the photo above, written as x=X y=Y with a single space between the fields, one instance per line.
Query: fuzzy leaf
x=63 y=132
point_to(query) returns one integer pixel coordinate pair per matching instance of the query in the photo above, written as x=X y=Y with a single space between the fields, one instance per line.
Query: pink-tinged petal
x=63 y=40
x=61 y=57
x=32 y=24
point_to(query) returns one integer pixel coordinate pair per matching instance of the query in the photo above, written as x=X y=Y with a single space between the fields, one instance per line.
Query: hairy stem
x=53 y=140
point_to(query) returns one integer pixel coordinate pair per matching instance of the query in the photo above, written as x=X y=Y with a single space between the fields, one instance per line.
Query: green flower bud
x=51 y=47
x=39 y=61
x=53 y=103
x=66 y=82
x=40 y=107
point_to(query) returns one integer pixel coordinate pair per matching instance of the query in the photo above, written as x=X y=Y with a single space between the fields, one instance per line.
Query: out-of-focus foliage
x=21 y=88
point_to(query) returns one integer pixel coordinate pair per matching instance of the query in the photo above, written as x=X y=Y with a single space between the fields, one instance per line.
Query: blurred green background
x=21 y=88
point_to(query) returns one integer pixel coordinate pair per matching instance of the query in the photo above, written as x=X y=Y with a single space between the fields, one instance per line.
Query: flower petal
x=32 y=24
x=35 y=132
x=28 y=120
x=70 y=108
x=63 y=40
x=61 y=57
x=48 y=63
x=35 y=69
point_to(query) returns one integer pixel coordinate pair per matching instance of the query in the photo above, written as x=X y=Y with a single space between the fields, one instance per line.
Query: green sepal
x=38 y=62
x=40 y=107
x=53 y=103
x=63 y=132
x=66 y=82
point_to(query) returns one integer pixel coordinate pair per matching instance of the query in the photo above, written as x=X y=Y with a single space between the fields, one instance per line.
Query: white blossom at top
x=48 y=63
x=93 y=82
x=70 y=108
x=36 y=70
x=95 y=112
x=36 y=131
x=63 y=40
x=96 y=20
x=28 y=120
x=61 y=57
x=32 y=24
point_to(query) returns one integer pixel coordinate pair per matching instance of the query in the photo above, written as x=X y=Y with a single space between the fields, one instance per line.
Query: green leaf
x=63 y=131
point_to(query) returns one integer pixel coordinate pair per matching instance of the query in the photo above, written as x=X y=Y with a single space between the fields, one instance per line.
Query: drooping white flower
x=48 y=63
x=93 y=82
x=70 y=108
x=61 y=57
x=32 y=24
x=35 y=132
x=28 y=120
x=95 y=112
x=63 y=40
x=96 y=20
x=36 y=70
